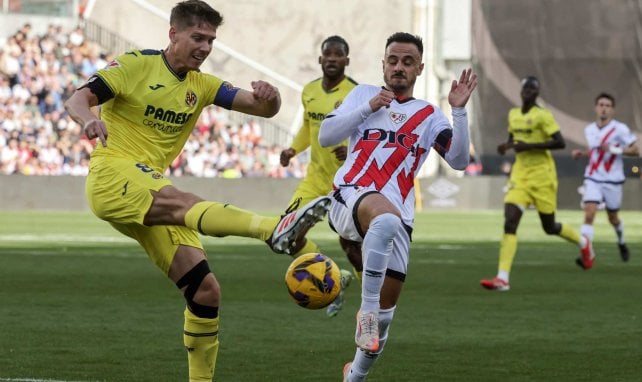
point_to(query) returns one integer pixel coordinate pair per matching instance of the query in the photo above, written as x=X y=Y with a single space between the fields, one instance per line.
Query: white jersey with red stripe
x=388 y=148
x=605 y=166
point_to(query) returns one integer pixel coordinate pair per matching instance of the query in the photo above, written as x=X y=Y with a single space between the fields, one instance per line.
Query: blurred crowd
x=37 y=137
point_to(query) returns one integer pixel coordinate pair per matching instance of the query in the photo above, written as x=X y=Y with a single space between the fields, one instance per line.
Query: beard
x=399 y=84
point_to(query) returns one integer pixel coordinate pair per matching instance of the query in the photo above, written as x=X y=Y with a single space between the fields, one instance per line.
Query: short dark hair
x=337 y=39
x=528 y=79
x=188 y=13
x=406 y=37
x=607 y=96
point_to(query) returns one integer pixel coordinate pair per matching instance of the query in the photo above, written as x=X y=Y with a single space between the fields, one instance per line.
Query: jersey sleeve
x=451 y=142
x=119 y=73
x=301 y=140
x=340 y=123
x=587 y=135
x=225 y=94
x=217 y=91
x=353 y=100
x=509 y=118
x=628 y=138
x=549 y=124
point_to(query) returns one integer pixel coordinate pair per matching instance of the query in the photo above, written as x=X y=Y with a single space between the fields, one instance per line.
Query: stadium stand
x=37 y=137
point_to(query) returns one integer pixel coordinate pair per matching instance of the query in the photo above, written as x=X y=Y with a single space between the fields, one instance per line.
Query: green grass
x=79 y=302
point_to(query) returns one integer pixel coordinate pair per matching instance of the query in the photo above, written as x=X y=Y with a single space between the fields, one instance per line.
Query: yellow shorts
x=118 y=191
x=542 y=193
x=309 y=189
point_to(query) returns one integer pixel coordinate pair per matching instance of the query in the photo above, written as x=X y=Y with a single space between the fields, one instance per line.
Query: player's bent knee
x=386 y=224
x=552 y=229
x=192 y=281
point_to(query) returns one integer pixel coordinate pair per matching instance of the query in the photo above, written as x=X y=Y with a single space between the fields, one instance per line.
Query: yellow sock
x=507 y=251
x=309 y=247
x=201 y=340
x=218 y=219
x=569 y=234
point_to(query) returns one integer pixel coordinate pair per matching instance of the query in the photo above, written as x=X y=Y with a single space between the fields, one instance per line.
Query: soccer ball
x=313 y=280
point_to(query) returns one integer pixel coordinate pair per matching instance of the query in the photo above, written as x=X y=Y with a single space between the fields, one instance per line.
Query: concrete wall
x=264 y=194
x=282 y=35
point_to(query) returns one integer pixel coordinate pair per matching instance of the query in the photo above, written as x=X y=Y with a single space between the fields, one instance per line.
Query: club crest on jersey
x=190 y=98
x=397 y=117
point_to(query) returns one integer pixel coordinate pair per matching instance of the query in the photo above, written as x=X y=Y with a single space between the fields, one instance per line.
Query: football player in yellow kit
x=150 y=101
x=532 y=133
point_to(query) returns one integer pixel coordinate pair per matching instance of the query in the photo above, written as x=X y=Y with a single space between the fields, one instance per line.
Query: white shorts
x=609 y=193
x=343 y=219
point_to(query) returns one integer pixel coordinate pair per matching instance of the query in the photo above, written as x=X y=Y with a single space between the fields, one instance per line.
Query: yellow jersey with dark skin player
x=535 y=126
x=318 y=103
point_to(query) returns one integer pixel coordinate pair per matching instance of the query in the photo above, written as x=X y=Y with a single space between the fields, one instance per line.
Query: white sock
x=619 y=231
x=586 y=230
x=503 y=275
x=377 y=247
x=363 y=361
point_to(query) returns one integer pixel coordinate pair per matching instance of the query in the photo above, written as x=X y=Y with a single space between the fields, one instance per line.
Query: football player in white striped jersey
x=390 y=134
x=608 y=140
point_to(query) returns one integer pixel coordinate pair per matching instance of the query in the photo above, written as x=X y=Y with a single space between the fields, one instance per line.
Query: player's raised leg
x=289 y=234
x=283 y=234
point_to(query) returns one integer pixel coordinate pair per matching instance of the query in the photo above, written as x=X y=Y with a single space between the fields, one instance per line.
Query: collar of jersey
x=401 y=99
x=179 y=76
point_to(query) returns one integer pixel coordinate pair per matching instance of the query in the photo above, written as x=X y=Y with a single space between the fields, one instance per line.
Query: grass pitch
x=80 y=302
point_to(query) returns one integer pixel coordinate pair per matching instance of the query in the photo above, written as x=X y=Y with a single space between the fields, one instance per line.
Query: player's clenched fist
x=382 y=99
x=264 y=91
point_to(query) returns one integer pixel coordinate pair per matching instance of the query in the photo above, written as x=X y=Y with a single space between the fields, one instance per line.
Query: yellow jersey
x=152 y=110
x=536 y=126
x=318 y=103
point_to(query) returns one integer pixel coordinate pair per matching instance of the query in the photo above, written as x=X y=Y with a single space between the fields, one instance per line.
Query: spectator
x=38 y=138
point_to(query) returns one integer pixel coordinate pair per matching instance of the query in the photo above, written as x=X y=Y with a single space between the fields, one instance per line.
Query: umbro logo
x=156 y=87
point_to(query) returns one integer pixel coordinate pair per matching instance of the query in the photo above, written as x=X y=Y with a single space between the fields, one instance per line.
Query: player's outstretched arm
x=79 y=108
x=458 y=154
x=461 y=90
x=264 y=100
x=632 y=150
